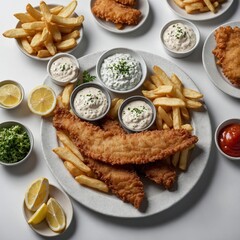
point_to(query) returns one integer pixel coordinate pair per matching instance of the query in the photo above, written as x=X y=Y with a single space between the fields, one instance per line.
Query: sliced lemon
x=42 y=100
x=10 y=95
x=37 y=194
x=39 y=215
x=55 y=216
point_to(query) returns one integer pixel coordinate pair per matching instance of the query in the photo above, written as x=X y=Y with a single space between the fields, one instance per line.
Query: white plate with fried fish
x=200 y=16
x=142 y=6
x=156 y=198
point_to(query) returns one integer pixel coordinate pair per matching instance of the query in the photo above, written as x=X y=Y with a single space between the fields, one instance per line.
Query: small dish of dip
x=90 y=101
x=137 y=114
x=227 y=138
x=121 y=70
x=63 y=68
x=179 y=38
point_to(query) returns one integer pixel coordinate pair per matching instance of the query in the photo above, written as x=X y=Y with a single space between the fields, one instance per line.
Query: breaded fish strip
x=127 y=2
x=110 y=10
x=138 y=148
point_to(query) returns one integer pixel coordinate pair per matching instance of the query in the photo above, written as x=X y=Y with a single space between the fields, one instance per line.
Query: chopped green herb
x=14 y=144
x=87 y=77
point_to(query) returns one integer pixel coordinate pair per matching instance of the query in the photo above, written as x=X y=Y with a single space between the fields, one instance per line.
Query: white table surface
x=210 y=211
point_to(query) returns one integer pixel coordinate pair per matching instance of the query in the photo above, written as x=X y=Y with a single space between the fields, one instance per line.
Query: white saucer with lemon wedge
x=46 y=208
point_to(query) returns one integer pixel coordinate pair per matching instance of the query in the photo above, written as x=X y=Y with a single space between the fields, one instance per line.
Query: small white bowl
x=43 y=228
x=21 y=90
x=29 y=133
x=132 y=99
x=53 y=59
x=217 y=132
x=135 y=55
x=176 y=54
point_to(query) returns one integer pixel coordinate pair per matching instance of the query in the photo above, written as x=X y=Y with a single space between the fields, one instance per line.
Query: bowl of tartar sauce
x=121 y=70
x=179 y=38
x=63 y=68
x=90 y=101
x=137 y=114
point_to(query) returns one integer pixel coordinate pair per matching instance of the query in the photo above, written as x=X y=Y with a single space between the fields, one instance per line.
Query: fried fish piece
x=227 y=52
x=110 y=10
x=127 y=2
x=138 y=148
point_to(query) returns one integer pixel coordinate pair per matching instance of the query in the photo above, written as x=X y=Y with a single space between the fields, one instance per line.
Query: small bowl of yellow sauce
x=11 y=94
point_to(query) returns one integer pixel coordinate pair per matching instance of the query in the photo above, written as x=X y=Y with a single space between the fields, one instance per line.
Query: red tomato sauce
x=229 y=140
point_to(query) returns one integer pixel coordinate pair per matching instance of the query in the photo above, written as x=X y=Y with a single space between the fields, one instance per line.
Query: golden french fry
x=148 y=85
x=65 y=140
x=156 y=80
x=45 y=11
x=50 y=45
x=185 y=113
x=43 y=53
x=119 y=26
x=44 y=35
x=176 y=81
x=187 y=126
x=190 y=1
x=209 y=5
x=74 y=171
x=56 y=10
x=66 y=45
x=67 y=155
x=92 y=183
x=37 y=26
x=55 y=32
x=183 y=161
x=179 y=3
x=75 y=34
x=71 y=22
x=193 y=104
x=34 y=12
x=64 y=29
x=177 y=121
x=67 y=91
x=191 y=8
x=36 y=40
x=165 y=126
x=27 y=46
x=172 y=102
x=175 y=159
x=162 y=76
x=17 y=33
x=192 y=94
x=68 y=10
x=114 y=101
x=162 y=113
x=159 y=121
x=24 y=17
x=158 y=92
x=149 y=94
x=113 y=112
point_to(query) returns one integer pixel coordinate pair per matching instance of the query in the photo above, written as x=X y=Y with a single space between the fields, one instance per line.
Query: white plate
x=157 y=198
x=62 y=198
x=199 y=16
x=214 y=71
x=142 y=5
x=47 y=58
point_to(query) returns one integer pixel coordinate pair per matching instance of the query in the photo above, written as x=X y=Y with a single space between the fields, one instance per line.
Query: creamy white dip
x=121 y=72
x=64 y=69
x=179 y=37
x=90 y=103
x=137 y=115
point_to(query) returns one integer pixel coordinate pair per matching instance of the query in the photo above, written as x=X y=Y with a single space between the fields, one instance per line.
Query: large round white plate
x=47 y=58
x=65 y=202
x=214 y=71
x=157 y=199
x=199 y=16
x=142 y=5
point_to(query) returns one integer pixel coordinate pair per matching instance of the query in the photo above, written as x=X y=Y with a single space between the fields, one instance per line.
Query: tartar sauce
x=90 y=103
x=179 y=37
x=137 y=115
x=121 y=72
x=64 y=69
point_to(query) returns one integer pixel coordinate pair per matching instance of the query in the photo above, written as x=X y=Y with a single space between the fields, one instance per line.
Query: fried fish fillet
x=138 y=148
x=122 y=180
x=127 y=2
x=110 y=10
x=227 y=52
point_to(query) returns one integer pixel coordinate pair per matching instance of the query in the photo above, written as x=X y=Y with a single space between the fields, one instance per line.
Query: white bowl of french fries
x=47 y=29
x=180 y=54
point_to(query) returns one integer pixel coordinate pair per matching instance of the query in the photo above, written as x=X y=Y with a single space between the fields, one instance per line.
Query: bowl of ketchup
x=227 y=138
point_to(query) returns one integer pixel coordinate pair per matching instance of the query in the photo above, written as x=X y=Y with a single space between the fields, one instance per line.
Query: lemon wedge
x=37 y=194
x=39 y=215
x=10 y=95
x=42 y=100
x=55 y=216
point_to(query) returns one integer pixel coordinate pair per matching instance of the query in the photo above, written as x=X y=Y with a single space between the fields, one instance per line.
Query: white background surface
x=211 y=210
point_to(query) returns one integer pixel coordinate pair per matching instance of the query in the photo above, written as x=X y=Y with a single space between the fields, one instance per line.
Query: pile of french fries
x=47 y=31
x=199 y=6
x=173 y=102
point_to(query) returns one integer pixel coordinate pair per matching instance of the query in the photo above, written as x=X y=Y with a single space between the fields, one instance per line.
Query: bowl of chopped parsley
x=16 y=143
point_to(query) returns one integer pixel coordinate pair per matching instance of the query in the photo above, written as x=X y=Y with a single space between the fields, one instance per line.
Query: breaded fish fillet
x=138 y=148
x=110 y=10
x=227 y=52
x=122 y=180
x=127 y=2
